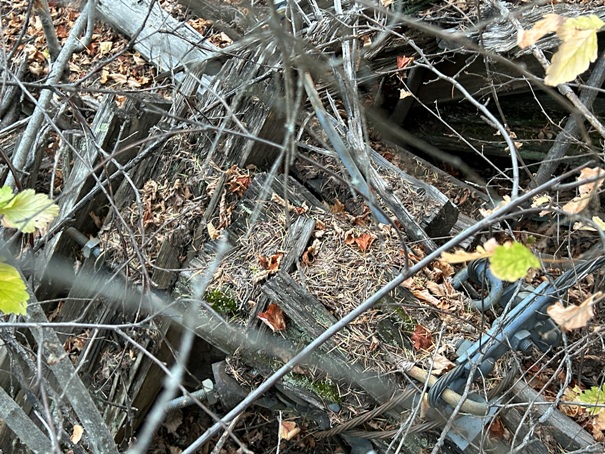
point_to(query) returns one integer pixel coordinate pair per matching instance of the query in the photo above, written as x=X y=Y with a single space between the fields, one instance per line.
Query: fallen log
x=157 y=36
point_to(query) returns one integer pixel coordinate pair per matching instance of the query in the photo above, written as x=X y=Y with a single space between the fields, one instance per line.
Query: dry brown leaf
x=599 y=420
x=403 y=61
x=105 y=47
x=421 y=338
x=576 y=205
x=288 y=430
x=589 y=174
x=76 y=435
x=173 y=421
x=573 y=317
x=104 y=75
x=213 y=233
x=118 y=78
x=239 y=184
x=282 y=202
x=485 y=212
x=424 y=295
x=350 y=237
x=338 y=207
x=597 y=221
x=446 y=269
x=496 y=429
x=364 y=241
x=440 y=365
x=571 y=395
x=435 y=289
x=309 y=255
x=133 y=83
x=271 y=263
x=273 y=317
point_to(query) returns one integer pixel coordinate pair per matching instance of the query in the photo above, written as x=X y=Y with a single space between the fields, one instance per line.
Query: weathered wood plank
x=568 y=434
x=113 y=128
x=313 y=318
x=439 y=221
x=162 y=41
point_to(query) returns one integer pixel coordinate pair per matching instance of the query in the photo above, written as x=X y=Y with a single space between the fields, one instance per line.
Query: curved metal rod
x=478 y=271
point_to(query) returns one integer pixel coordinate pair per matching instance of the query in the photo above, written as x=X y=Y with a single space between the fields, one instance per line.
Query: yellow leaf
x=462 y=256
x=573 y=317
x=549 y=24
x=511 y=261
x=578 y=50
x=505 y=201
x=13 y=292
x=28 y=211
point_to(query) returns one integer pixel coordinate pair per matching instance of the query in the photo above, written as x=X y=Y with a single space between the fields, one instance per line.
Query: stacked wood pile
x=232 y=198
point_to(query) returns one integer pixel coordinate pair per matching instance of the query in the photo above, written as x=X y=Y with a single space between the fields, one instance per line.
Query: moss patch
x=325 y=389
x=221 y=302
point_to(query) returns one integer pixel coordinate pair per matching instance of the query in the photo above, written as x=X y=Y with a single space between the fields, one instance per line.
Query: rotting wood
x=266 y=123
x=67 y=378
x=249 y=86
x=313 y=318
x=133 y=391
x=113 y=129
x=299 y=235
x=439 y=221
x=149 y=168
x=285 y=188
x=168 y=260
x=23 y=427
x=567 y=433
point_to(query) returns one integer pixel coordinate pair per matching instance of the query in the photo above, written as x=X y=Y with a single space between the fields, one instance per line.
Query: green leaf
x=593 y=396
x=578 y=49
x=13 y=294
x=6 y=194
x=28 y=211
x=511 y=261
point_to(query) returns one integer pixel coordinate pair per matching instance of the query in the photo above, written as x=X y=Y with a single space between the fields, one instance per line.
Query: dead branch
x=27 y=145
